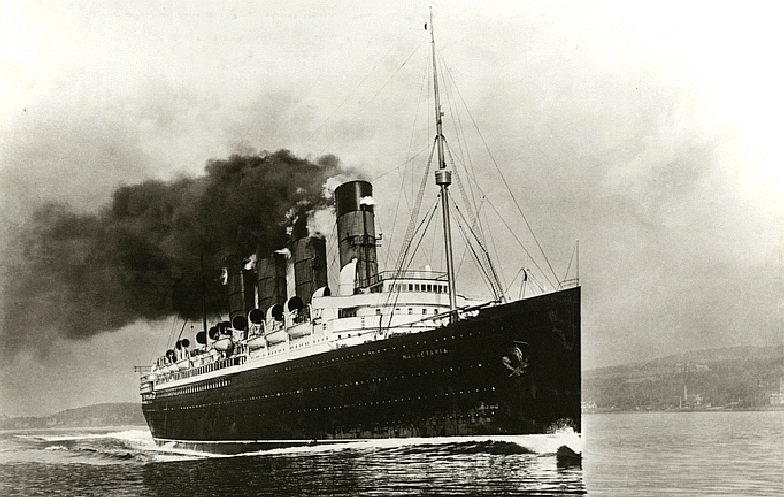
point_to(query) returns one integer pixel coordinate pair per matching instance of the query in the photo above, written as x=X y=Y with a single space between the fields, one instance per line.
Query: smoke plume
x=73 y=274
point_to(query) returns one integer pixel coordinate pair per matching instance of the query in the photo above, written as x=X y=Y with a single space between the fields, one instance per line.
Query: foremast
x=443 y=180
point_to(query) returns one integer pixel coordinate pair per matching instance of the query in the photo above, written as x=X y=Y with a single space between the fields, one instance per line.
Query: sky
x=648 y=132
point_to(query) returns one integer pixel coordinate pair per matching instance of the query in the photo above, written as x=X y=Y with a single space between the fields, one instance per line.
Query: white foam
x=170 y=452
x=128 y=435
x=543 y=444
x=539 y=443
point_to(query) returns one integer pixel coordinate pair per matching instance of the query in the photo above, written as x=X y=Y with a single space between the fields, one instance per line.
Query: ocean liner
x=395 y=353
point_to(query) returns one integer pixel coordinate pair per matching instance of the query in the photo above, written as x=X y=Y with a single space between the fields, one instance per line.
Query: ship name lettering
x=426 y=353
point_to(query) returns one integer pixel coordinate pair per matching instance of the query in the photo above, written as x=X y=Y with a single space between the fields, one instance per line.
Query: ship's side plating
x=514 y=368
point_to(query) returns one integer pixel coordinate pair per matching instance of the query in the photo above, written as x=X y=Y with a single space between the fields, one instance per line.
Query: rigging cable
x=536 y=282
x=497 y=286
x=422 y=236
x=571 y=259
x=523 y=284
x=429 y=256
x=465 y=158
x=399 y=271
x=184 y=322
x=397 y=203
x=166 y=338
x=371 y=99
x=471 y=202
x=346 y=98
x=394 y=218
x=495 y=250
x=514 y=234
x=487 y=278
x=411 y=230
x=522 y=271
x=473 y=223
x=481 y=239
x=519 y=242
x=402 y=164
x=503 y=178
x=414 y=215
x=470 y=175
x=511 y=283
x=406 y=163
x=426 y=222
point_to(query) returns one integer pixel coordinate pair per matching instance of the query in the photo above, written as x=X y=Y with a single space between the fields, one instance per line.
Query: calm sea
x=696 y=453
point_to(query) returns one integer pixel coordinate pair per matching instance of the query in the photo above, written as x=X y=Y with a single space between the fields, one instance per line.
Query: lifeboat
x=300 y=330
x=257 y=342
x=223 y=343
x=276 y=336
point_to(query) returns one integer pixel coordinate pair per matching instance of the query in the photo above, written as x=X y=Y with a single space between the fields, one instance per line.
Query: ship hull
x=513 y=369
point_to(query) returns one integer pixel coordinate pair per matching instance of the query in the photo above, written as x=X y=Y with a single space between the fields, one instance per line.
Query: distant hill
x=725 y=377
x=107 y=414
x=723 y=354
x=704 y=356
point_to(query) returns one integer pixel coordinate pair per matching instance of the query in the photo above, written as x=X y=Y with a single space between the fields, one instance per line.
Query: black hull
x=462 y=379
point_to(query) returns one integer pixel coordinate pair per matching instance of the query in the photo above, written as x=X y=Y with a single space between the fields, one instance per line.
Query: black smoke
x=149 y=252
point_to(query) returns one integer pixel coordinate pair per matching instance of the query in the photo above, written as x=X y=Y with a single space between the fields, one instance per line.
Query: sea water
x=694 y=453
x=684 y=453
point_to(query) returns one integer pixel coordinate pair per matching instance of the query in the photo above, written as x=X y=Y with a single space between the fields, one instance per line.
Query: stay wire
x=473 y=223
x=571 y=259
x=503 y=179
x=414 y=213
x=405 y=163
x=398 y=273
x=495 y=250
x=371 y=99
x=469 y=201
x=461 y=142
x=402 y=174
x=466 y=161
x=422 y=235
x=497 y=285
x=511 y=283
x=486 y=277
x=519 y=242
x=184 y=322
x=348 y=96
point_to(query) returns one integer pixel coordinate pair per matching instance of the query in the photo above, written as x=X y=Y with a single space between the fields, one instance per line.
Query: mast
x=443 y=180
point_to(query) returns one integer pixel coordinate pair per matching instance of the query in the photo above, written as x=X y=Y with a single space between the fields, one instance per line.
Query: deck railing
x=407 y=275
x=204 y=368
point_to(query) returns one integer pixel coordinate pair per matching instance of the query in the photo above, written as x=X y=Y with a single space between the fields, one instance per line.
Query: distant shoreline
x=106 y=428
x=92 y=416
x=713 y=409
